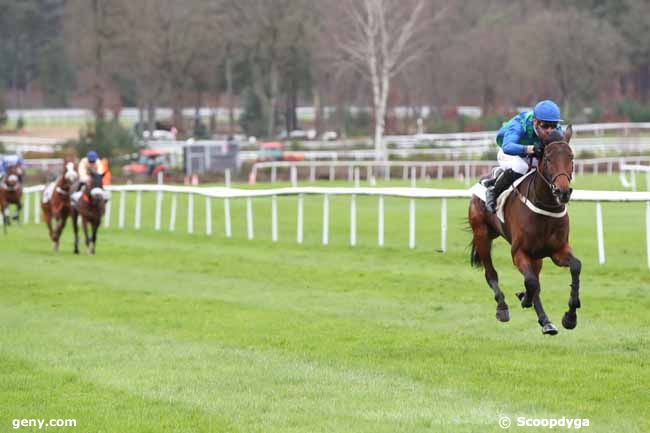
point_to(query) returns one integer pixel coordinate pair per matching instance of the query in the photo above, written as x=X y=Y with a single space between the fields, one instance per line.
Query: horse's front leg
x=84 y=224
x=530 y=269
x=566 y=258
x=93 y=242
x=19 y=207
x=75 y=228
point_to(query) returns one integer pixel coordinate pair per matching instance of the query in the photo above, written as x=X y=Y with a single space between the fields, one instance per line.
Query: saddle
x=479 y=191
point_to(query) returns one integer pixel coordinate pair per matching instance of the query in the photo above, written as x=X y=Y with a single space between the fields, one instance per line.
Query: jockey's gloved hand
x=538 y=151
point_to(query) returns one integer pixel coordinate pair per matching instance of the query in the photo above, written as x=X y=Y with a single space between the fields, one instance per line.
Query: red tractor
x=150 y=162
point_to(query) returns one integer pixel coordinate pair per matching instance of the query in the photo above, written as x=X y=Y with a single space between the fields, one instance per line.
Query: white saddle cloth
x=479 y=191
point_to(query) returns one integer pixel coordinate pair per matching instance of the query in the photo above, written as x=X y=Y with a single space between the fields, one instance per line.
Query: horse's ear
x=568 y=132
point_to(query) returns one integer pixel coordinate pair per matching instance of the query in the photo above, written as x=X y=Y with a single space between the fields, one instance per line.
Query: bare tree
x=92 y=35
x=379 y=38
x=572 y=57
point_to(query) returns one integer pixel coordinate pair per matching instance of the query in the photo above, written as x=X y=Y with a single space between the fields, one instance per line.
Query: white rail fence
x=632 y=170
x=373 y=170
x=32 y=194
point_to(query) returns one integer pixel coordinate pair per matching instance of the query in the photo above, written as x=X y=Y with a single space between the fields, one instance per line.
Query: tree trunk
x=151 y=117
x=318 y=112
x=275 y=84
x=231 y=106
x=644 y=82
x=98 y=85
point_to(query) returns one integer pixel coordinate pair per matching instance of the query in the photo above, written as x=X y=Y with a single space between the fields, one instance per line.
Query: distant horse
x=90 y=206
x=56 y=205
x=11 y=192
x=533 y=234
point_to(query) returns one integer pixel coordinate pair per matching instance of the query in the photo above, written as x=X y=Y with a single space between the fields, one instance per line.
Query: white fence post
x=312 y=173
x=172 y=214
x=380 y=222
x=294 y=176
x=226 y=211
x=159 y=196
x=37 y=208
x=353 y=220
x=443 y=225
x=332 y=172
x=599 y=229
x=299 y=228
x=138 y=209
x=190 y=213
x=120 y=217
x=412 y=223
x=274 y=218
x=249 y=218
x=647 y=229
x=208 y=216
x=107 y=214
x=326 y=216
x=274 y=174
x=413 y=180
x=227 y=177
x=27 y=206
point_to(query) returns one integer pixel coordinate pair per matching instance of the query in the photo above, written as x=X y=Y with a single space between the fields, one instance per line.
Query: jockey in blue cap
x=11 y=162
x=87 y=166
x=520 y=138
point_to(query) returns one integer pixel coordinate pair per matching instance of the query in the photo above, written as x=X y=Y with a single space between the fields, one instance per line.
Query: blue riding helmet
x=548 y=111
x=92 y=156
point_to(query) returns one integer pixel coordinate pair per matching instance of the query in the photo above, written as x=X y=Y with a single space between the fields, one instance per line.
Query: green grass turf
x=176 y=332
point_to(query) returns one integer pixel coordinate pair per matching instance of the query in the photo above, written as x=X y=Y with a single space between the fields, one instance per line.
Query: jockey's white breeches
x=516 y=163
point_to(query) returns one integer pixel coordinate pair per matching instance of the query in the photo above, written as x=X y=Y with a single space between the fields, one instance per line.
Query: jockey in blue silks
x=520 y=138
x=9 y=161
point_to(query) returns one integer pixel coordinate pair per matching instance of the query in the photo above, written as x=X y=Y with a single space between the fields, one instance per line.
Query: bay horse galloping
x=11 y=192
x=536 y=224
x=90 y=206
x=56 y=204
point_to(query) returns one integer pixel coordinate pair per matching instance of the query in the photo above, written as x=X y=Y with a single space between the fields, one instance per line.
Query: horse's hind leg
x=481 y=254
x=566 y=258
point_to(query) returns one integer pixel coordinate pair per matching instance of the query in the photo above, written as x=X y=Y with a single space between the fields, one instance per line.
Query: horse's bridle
x=551 y=183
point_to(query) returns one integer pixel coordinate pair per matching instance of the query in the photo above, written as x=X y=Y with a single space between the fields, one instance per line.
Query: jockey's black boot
x=502 y=183
x=489 y=182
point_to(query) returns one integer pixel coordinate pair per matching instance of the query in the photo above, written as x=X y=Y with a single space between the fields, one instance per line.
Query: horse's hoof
x=503 y=315
x=55 y=246
x=76 y=251
x=569 y=320
x=549 y=329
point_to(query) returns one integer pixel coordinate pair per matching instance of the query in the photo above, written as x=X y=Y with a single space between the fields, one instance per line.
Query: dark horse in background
x=57 y=206
x=532 y=236
x=11 y=192
x=90 y=207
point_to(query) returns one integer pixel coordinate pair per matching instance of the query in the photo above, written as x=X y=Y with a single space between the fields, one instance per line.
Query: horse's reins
x=549 y=183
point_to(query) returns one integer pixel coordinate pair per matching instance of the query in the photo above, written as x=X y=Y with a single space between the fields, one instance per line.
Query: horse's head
x=69 y=177
x=556 y=165
x=95 y=188
x=11 y=181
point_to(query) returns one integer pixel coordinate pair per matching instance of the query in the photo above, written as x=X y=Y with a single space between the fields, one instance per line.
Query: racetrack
x=176 y=332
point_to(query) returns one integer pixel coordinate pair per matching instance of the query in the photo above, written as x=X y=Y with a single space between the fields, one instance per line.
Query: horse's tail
x=474 y=257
